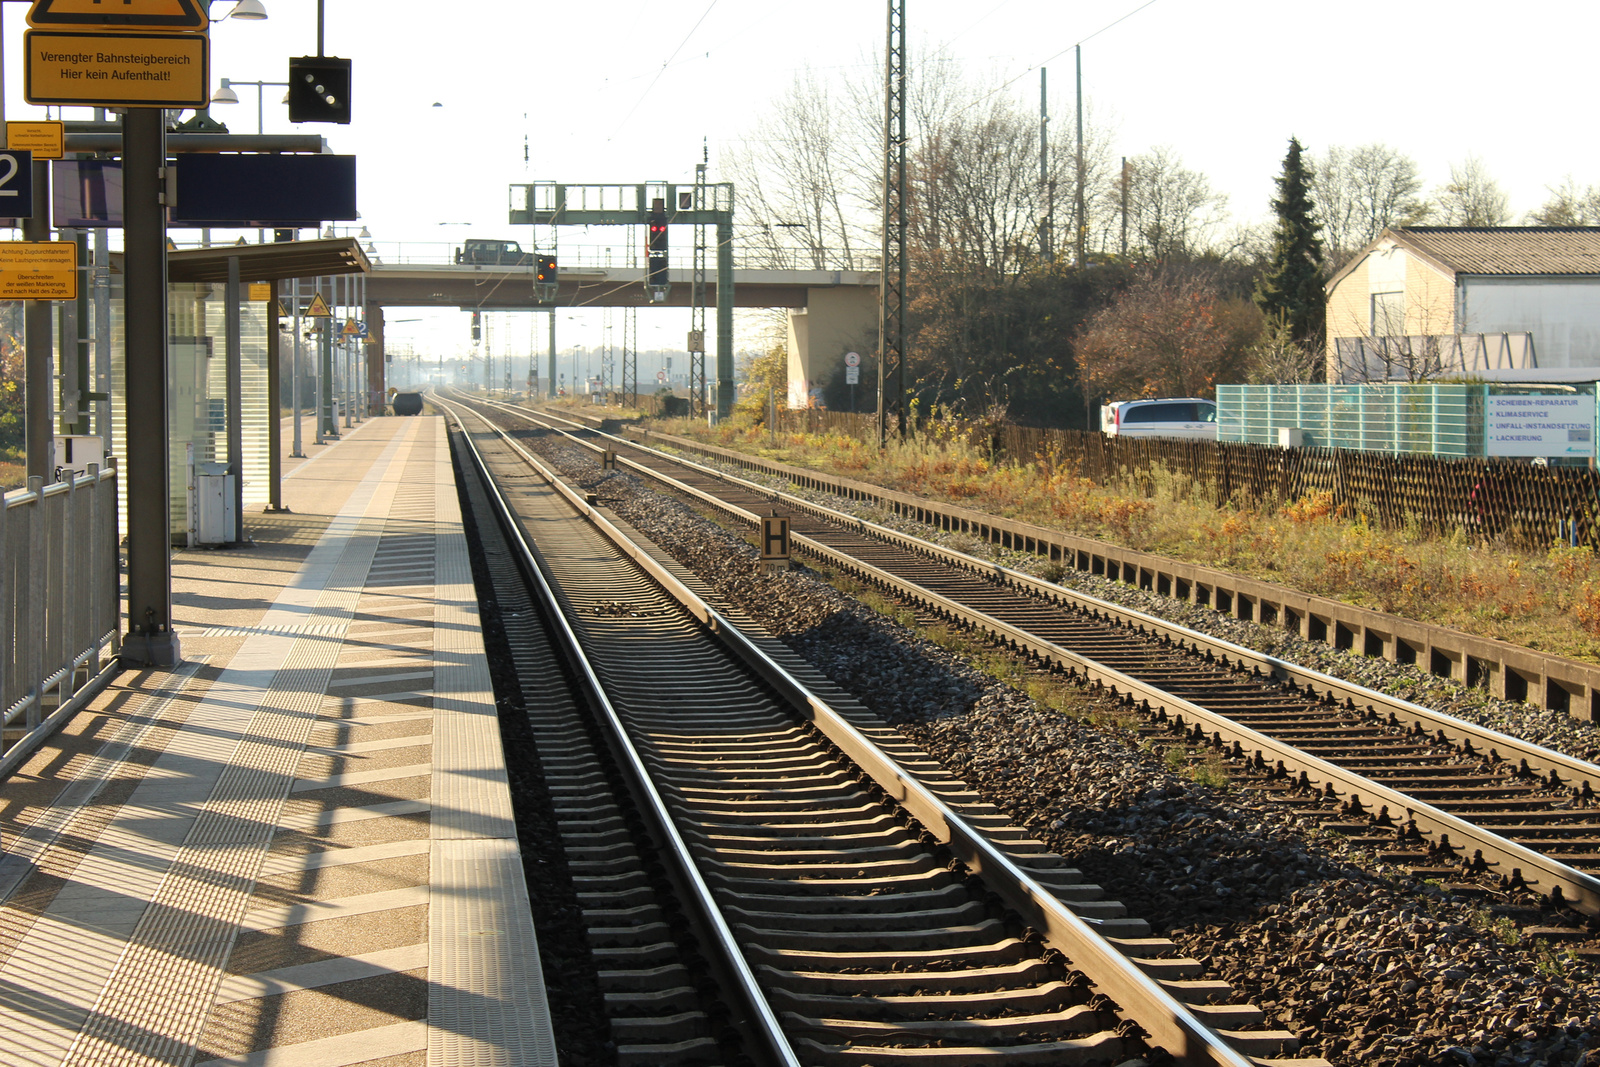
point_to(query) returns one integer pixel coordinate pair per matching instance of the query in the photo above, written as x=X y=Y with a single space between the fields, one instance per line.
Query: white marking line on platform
x=342 y=1051
x=377 y=720
x=361 y=748
x=322 y=973
x=275 y=918
x=378 y=698
x=329 y=452
x=289 y=863
x=318 y=819
x=382 y=679
x=387 y=774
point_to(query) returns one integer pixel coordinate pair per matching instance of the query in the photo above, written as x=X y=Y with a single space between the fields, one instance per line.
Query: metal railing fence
x=60 y=608
x=1519 y=503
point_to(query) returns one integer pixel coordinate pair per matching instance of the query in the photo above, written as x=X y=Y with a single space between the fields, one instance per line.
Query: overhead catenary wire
x=1051 y=58
x=646 y=94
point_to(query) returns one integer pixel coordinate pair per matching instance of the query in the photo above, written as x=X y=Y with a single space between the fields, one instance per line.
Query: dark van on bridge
x=480 y=253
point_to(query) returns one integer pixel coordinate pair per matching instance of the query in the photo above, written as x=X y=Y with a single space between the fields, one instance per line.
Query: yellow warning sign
x=283 y=312
x=38 y=270
x=169 y=16
x=350 y=328
x=319 y=307
x=46 y=140
x=260 y=291
x=117 y=69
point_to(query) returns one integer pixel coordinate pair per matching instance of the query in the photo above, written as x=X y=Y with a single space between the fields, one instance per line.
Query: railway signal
x=319 y=89
x=477 y=326
x=545 y=277
x=656 y=250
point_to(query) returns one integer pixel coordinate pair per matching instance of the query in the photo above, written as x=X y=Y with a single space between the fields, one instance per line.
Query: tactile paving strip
x=486 y=1000
x=153 y=1008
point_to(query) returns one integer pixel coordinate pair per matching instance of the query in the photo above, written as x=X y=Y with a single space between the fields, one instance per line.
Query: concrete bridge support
x=834 y=321
x=377 y=370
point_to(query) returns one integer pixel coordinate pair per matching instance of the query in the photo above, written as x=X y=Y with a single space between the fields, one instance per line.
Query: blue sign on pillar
x=16 y=185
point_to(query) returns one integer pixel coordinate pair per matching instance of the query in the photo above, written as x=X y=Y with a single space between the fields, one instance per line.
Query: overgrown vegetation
x=1548 y=599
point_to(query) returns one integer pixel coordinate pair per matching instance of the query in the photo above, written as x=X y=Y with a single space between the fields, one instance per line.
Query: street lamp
x=226 y=95
x=247 y=9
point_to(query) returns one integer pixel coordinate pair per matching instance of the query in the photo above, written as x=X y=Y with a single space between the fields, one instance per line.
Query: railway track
x=1448 y=798
x=772 y=870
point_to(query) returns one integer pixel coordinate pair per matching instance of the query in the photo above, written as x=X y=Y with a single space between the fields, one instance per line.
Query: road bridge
x=830 y=312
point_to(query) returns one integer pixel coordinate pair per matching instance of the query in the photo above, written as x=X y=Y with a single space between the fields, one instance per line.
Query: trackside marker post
x=775 y=542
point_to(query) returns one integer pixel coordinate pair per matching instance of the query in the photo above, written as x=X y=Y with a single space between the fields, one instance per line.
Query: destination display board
x=38 y=270
x=1535 y=425
x=117 y=69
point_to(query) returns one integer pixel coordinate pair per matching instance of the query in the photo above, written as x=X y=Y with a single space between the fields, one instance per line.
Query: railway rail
x=853 y=904
x=1447 y=797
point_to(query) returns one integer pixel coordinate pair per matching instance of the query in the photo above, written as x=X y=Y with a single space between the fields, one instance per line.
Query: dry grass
x=1546 y=600
x=13 y=473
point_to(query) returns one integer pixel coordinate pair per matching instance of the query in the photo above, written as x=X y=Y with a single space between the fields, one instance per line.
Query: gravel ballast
x=1367 y=963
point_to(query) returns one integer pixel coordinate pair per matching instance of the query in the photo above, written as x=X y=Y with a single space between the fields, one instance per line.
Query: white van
x=1188 y=418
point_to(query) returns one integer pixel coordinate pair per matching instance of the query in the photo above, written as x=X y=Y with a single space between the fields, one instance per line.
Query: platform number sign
x=16 y=185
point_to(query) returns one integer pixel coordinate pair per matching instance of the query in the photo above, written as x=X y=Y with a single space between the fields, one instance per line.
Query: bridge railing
x=60 y=608
x=575 y=257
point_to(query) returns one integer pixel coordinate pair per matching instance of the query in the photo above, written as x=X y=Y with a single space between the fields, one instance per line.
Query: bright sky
x=625 y=91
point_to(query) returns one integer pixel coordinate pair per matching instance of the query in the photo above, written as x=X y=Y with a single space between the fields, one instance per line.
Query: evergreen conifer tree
x=1290 y=292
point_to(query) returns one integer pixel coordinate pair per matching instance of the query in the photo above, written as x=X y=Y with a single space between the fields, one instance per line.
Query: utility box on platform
x=213 y=498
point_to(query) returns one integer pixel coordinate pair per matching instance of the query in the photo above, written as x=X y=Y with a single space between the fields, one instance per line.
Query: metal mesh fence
x=1523 y=504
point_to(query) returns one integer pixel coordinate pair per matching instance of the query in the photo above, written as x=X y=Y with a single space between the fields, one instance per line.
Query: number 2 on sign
x=8 y=163
x=16 y=183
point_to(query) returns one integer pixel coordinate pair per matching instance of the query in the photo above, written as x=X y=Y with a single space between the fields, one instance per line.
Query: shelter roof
x=269 y=262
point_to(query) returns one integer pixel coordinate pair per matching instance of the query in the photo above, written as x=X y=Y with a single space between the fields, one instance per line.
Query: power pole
x=697 y=312
x=1083 y=224
x=892 y=288
x=1047 y=187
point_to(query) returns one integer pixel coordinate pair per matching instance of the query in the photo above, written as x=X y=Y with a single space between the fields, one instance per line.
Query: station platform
x=297 y=848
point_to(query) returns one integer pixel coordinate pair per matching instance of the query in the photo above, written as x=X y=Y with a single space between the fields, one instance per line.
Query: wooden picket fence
x=1522 y=504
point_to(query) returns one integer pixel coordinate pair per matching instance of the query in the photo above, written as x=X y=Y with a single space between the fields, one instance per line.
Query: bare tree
x=1568 y=205
x=1471 y=197
x=1362 y=191
x=1277 y=359
x=977 y=198
x=794 y=181
x=1172 y=211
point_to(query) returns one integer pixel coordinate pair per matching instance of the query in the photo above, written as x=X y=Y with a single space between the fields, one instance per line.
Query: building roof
x=1507 y=249
x=1514 y=251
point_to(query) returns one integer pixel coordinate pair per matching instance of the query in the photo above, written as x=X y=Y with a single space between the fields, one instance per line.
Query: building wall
x=1563 y=314
x=1348 y=308
x=1426 y=297
x=1430 y=299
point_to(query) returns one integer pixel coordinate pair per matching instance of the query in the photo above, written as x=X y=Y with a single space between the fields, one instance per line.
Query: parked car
x=1184 y=417
x=476 y=252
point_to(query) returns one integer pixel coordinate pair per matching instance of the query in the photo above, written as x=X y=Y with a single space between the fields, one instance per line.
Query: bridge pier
x=834 y=321
x=377 y=361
